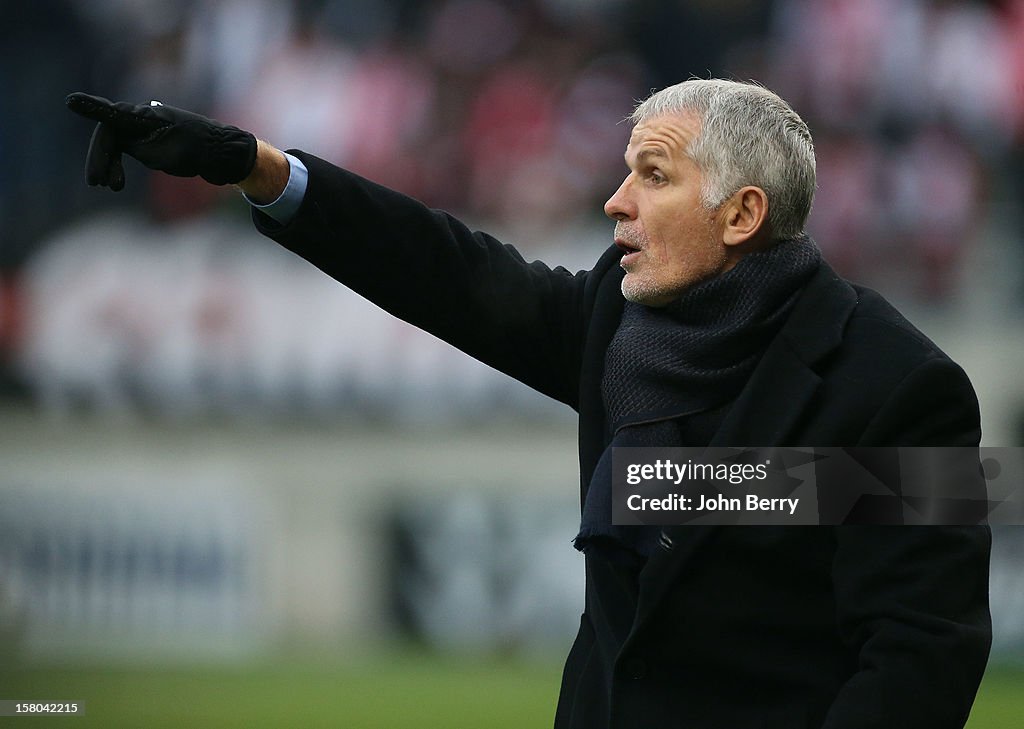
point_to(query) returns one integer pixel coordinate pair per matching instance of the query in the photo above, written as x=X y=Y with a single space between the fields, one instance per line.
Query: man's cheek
x=654 y=248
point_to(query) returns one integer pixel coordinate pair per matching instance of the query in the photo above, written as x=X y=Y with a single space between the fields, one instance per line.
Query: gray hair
x=748 y=136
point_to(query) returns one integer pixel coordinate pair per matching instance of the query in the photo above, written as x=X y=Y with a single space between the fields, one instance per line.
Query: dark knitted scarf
x=691 y=357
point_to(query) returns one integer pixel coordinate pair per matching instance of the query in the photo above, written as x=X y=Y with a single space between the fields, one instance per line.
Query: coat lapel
x=774 y=400
x=766 y=413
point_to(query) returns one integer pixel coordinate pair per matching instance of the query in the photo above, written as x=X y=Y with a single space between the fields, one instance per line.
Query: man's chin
x=643 y=292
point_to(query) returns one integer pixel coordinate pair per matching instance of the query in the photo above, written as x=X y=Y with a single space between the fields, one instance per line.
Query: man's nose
x=620 y=205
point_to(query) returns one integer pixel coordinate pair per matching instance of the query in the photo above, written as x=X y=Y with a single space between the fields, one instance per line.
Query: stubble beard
x=642 y=285
x=640 y=289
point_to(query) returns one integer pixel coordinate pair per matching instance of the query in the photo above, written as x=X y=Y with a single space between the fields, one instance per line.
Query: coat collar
x=815 y=328
x=783 y=383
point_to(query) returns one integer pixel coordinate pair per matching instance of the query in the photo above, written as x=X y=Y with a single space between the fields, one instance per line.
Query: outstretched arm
x=421 y=265
x=427 y=268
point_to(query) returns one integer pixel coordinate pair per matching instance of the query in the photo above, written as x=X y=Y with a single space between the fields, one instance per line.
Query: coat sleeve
x=428 y=269
x=912 y=601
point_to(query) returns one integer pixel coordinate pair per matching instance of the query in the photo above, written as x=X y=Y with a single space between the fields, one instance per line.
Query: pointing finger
x=91 y=107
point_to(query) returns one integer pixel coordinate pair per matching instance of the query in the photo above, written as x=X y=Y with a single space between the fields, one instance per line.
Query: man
x=712 y=321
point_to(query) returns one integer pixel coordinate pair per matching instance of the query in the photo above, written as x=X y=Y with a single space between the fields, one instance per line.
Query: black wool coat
x=850 y=627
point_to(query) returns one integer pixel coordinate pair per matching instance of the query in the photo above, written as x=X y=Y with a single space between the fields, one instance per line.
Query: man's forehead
x=663 y=135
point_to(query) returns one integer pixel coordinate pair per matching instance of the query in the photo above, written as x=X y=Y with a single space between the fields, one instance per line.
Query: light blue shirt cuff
x=287 y=204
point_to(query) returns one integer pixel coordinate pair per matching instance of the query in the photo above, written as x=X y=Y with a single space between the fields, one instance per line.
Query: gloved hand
x=163 y=138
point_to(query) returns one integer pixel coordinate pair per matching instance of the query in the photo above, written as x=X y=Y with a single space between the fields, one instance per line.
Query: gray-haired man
x=712 y=321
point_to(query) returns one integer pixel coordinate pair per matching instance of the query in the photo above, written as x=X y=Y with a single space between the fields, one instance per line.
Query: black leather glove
x=163 y=138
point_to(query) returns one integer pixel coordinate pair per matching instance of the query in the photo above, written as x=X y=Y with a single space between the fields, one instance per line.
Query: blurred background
x=234 y=493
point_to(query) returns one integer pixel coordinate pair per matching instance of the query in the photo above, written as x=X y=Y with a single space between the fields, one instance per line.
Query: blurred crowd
x=510 y=113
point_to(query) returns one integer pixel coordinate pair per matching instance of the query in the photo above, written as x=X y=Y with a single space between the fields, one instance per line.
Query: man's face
x=669 y=239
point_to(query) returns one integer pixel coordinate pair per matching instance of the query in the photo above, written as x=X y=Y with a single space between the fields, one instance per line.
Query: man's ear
x=745 y=216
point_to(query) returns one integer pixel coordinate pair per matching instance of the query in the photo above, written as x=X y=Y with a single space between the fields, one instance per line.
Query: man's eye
x=655 y=176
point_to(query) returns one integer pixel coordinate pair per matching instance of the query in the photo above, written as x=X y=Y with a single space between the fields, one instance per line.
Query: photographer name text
x=667 y=471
